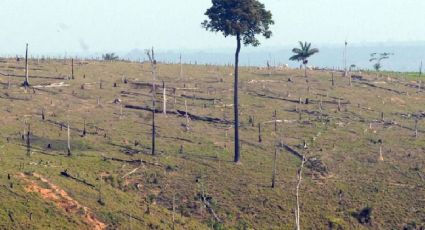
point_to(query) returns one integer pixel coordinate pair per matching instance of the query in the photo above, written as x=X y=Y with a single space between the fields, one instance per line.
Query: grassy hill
x=112 y=181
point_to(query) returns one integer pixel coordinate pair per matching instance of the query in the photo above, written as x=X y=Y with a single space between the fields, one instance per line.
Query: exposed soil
x=61 y=198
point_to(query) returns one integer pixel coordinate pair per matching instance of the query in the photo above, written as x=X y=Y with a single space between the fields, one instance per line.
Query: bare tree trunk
x=381 y=157
x=42 y=114
x=152 y=60
x=297 y=210
x=164 y=98
x=416 y=128
x=26 y=82
x=305 y=70
x=259 y=133
x=69 y=141
x=29 y=140
x=72 y=69
x=181 y=67
x=419 y=77
x=350 y=82
x=174 y=210
x=345 y=61
x=121 y=113
x=235 y=99
x=153 y=124
x=274 y=168
x=84 y=129
x=187 y=117
x=339 y=104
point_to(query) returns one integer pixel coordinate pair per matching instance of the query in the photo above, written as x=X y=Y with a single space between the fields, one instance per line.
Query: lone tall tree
x=303 y=53
x=243 y=19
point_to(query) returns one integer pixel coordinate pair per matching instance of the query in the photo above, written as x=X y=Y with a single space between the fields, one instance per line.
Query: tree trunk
x=181 y=68
x=69 y=141
x=259 y=133
x=305 y=70
x=29 y=140
x=235 y=99
x=164 y=99
x=153 y=63
x=274 y=168
x=72 y=69
x=187 y=116
x=153 y=123
x=26 y=82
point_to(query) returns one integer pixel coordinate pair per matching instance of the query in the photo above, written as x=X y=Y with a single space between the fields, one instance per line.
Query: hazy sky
x=75 y=26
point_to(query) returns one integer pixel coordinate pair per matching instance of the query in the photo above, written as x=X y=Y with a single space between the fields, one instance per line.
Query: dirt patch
x=61 y=198
x=398 y=101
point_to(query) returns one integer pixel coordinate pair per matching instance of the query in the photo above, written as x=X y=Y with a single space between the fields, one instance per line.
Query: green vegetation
x=109 y=57
x=243 y=19
x=112 y=173
x=303 y=53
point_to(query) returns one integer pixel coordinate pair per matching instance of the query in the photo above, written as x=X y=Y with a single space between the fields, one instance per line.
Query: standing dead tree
x=181 y=67
x=72 y=69
x=274 y=168
x=151 y=56
x=259 y=133
x=416 y=128
x=419 y=78
x=84 y=129
x=345 y=60
x=187 y=126
x=164 y=99
x=69 y=141
x=26 y=83
x=29 y=140
x=297 y=209
x=275 y=150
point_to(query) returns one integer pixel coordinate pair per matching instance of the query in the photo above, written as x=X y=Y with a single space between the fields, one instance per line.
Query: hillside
x=111 y=181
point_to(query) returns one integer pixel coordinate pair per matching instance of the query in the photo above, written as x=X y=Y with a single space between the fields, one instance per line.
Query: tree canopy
x=241 y=18
x=109 y=56
x=303 y=53
x=377 y=59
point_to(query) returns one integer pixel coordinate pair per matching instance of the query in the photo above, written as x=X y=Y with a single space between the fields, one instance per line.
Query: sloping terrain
x=363 y=144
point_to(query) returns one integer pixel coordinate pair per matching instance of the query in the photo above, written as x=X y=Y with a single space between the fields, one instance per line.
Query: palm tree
x=303 y=53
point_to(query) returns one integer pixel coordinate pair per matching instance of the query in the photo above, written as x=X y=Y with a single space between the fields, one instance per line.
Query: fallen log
x=203 y=118
x=199 y=98
x=63 y=124
x=131 y=161
x=66 y=174
x=383 y=88
x=181 y=113
x=273 y=97
x=149 y=109
x=292 y=151
x=131 y=172
x=150 y=85
x=313 y=163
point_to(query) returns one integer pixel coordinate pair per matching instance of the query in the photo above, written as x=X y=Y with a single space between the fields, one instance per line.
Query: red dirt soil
x=61 y=198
